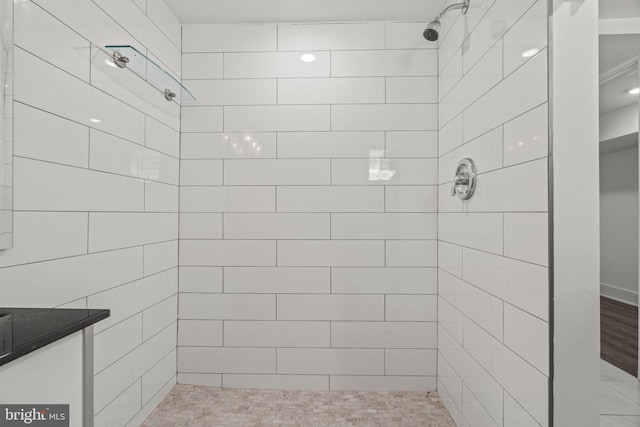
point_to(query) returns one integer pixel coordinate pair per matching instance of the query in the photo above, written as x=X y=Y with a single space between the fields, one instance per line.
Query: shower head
x=432 y=32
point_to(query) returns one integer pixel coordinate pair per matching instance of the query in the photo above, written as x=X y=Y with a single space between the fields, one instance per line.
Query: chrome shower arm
x=464 y=6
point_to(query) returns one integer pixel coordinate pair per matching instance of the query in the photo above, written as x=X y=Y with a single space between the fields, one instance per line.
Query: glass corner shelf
x=125 y=56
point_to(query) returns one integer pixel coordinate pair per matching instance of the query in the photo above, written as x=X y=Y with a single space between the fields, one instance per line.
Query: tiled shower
x=293 y=227
x=308 y=247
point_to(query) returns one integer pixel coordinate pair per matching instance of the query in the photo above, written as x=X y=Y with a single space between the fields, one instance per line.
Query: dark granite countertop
x=23 y=330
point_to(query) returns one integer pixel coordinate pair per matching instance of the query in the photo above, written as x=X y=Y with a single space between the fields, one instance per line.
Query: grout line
x=331 y=172
x=503 y=321
x=87 y=254
x=384 y=361
x=503 y=146
x=545 y=49
x=438 y=214
x=526 y=162
x=144 y=251
x=484 y=291
x=385 y=35
x=137 y=346
x=224 y=109
x=224 y=175
x=306 y=240
x=94 y=170
x=331 y=334
x=331 y=64
x=386 y=88
x=481 y=367
x=502 y=54
x=385 y=253
x=504 y=236
x=384 y=317
x=89 y=232
x=373 y=76
x=345 y=131
x=331 y=280
x=384 y=200
x=318 y=105
x=144 y=138
x=331 y=118
x=330 y=226
x=364 y=50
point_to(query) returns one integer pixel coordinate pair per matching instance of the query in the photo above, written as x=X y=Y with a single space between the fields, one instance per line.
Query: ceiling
x=613 y=95
x=277 y=11
x=610 y=9
x=270 y=11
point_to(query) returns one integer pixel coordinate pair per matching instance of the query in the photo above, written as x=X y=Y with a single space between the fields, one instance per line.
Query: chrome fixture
x=464 y=182
x=129 y=58
x=120 y=60
x=432 y=32
x=168 y=95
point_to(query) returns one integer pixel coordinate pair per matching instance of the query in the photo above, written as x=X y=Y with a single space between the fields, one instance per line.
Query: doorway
x=619 y=252
x=619 y=234
x=619 y=228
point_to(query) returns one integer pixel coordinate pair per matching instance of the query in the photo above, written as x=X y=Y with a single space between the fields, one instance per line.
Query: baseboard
x=618 y=294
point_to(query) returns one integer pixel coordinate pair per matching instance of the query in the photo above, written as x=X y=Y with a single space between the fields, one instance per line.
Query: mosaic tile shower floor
x=197 y=406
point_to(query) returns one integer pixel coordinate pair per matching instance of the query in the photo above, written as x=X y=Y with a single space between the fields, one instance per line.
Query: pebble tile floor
x=197 y=406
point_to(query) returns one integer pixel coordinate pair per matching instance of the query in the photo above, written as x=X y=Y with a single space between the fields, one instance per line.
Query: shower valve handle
x=464 y=182
x=460 y=184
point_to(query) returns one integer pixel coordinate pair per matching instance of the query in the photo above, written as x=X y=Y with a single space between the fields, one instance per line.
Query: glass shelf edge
x=163 y=78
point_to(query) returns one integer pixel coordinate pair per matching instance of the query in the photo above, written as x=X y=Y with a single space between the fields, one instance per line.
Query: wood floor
x=619 y=335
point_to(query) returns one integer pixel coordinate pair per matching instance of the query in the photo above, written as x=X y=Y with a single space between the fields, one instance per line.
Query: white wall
x=576 y=257
x=96 y=201
x=493 y=351
x=618 y=123
x=308 y=207
x=619 y=225
x=6 y=130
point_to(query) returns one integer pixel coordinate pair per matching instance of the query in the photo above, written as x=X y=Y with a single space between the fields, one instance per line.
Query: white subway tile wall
x=306 y=204
x=308 y=245
x=493 y=299
x=97 y=184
